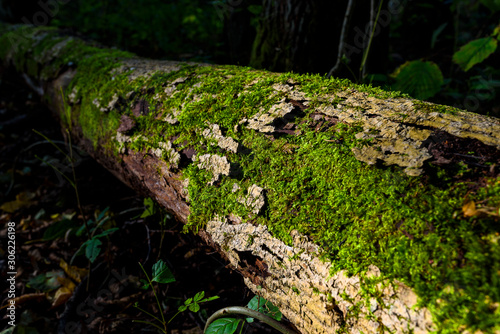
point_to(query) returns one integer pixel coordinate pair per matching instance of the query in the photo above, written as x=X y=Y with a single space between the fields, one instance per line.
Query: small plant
x=163 y=274
x=92 y=247
x=152 y=209
x=257 y=307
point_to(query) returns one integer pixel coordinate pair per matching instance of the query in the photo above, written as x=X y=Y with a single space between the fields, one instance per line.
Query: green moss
x=34 y=55
x=431 y=107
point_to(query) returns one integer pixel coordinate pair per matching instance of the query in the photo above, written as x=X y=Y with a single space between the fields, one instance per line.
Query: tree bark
x=229 y=152
x=304 y=37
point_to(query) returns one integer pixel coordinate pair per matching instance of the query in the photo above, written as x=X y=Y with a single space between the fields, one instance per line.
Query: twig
x=250 y=313
x=343 y=34
x=372 y=24
x=372 y=27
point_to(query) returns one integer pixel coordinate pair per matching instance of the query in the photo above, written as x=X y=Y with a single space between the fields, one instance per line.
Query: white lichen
x=215 y=163
x=226 y=143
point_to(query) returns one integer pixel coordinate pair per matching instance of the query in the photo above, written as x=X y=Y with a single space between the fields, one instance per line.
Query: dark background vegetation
x=297 y=35
x=281 y=35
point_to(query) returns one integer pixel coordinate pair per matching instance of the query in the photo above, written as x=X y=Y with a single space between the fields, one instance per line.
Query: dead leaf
x=64 y=292
x=489 y=211
x=469 y=209
x=23 y=200
x=61 y=296
x=73 y=272
x=26 y=298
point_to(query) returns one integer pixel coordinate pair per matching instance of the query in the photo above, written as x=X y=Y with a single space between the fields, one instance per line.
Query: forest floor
x=53 y=294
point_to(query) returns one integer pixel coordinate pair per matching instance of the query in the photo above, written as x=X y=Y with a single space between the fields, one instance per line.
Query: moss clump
x=431 y=107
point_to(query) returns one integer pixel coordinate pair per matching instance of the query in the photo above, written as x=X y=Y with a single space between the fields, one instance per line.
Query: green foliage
x=224 y=326
x=475 y=52
x=193 y=304
x=162 y=274
x=264 y=306
x=59 y=229
x=420 y=79
x=147 y=27
x=92 y=246
x=150 y=208
x=46 y=281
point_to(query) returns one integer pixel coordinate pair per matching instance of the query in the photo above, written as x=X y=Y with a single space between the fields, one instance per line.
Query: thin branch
x=373 y=25
x=343 y=34
x=250 y=313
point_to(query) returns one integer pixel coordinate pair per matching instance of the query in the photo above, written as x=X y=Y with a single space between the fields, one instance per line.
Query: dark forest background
x=444 y=51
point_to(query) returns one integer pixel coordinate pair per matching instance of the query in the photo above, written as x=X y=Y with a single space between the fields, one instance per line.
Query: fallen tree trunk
x=350 y=208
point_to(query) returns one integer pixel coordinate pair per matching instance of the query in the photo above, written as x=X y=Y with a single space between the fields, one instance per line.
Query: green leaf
x=496 y=31
x=264 y=306
x=92 y=249
x=145 y=284
x=82 y=229
x=9 y=330
x=162 y=273
x=199 y=296
x=209 y=299
x=420 y=79
x=195 y=307
x=188 y=301
x=493 y=5
x=101 y=215
x=46 y=281
x=58 y=229
x=182 y=308
x=111 y=230
x=150 y=208
x=436 y=34
x=475 y=52
x=223 y=326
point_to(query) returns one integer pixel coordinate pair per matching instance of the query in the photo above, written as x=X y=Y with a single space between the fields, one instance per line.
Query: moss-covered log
x=350 y=208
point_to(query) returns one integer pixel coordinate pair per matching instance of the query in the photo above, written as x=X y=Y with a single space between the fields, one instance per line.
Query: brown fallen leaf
x=469 y=209
x=61 y=296
x=26 y=298
x=73 y=272
x=23 y=200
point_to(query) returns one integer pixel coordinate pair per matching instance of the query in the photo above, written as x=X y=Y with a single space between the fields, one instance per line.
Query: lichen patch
x=254 y=199
x=391 y=140
x=215 y=163
x=227 y=143
x=262 y=121
x=167 y=152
